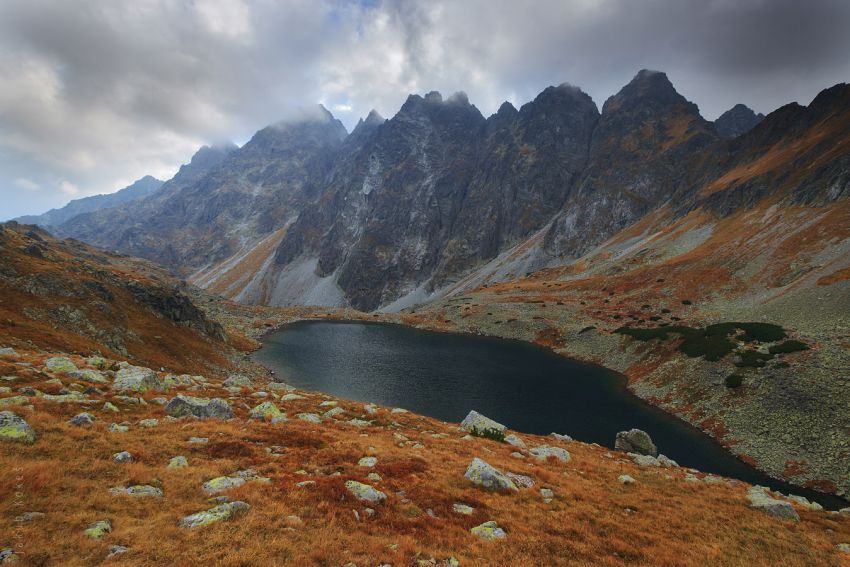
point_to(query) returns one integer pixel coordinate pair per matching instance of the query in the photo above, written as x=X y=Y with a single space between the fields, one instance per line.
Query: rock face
x=738 y=120
x=475 y=422
x=482 y=474
x=14 y=428
x=203 y=408
x=635 y=441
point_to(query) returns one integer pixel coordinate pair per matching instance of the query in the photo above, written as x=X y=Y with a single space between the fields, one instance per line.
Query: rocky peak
x=374 y=118
x=736 y=121
x=648 y=90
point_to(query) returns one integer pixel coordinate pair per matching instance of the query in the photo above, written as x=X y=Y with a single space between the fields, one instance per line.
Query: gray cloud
x=96 y=94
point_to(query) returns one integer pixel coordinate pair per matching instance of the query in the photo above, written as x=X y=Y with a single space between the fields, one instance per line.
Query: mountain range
x=400 y=210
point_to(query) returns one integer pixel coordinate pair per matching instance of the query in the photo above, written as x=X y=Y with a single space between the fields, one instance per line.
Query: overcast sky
x=97 y=93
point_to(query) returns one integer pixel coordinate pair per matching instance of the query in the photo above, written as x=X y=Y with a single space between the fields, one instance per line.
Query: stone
x=279 y=386
x=291 y=397
x=218 y=513
x=8 y=556
x=202 y=408
x=309 y=417
x=98 y=362
x=544 y=452
x=475 y=422
x=626 y=479
x=488 y=531
x=198 y=440
x=805 y=502
x=368 y=462
x=364 y=492
x=116 y=550
x=98 y=529
x=136 y=379
x=266 y=411
x=222 y=483
x=460 y=508
x=109 y=406
x=515 y=441
x=86 y=375
x=761 y=500
x=14 y=401
x=122 y=457
x=118 y=428
x=8 y=352
x=374 y=477
x=178 y=462
x=644 y=460
x=239 y=381
x=560 y=437
x=359 y=422
x=547 y=494
x=521 y=480
x=371 y=409
x=666 y=461
x=59 y=365
x=482 y=474
x=843 y=547
x=635 y=441
x=151 y=422
x=333 y=412
x=137 y=490
x=14 y=428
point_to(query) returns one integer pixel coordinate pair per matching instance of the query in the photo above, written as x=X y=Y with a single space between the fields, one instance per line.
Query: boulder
x=475 y=422
x=635 y=441
x=222 y=483
x=150 y=422
x=137 y=490
x=267 y=411
x=464 y=509
x=368 y=462
x=8 y=352
x=136 y=379
x=482 y=474
x=221 y=512
x=14 y=401
x=520 y=480
x=98 y=529
x=488 y=531
x=309 y=417
x=364 y=492
x=178 y=462
x=515 y=441
x=202 y=408
x=122 y=457
x=543 y=453
x=238 y=381
x=626 y=479
x=92 y=376
x=59 y=364
x=14 y=428
x=761 y=500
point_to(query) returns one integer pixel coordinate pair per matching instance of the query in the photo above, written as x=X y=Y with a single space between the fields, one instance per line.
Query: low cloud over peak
x=98 y=94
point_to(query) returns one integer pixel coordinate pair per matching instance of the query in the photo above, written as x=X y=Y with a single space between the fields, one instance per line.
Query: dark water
x=528 y=388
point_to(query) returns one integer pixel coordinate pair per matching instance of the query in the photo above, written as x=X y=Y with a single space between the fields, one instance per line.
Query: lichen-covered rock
x=460 y=508
x=368 y=462
x=150 y=422
x=109 y=406
x=8 y=557
x=14 y=401
x=98 y=362
x=644 y=460
x=14 y=428
x=203 y=408
x=475 y=422
x=488 y=531
x=761 y=500
x=547 y=494
x=543 y=453
x=292 y=397
x=86 y=375
x=364 y=492
x=221 y=512
x=59 y=364
x=137 y=490
x=333 y=412
x=116 y=550
x=136 y=379
x=222 y=483
x=309 y=417
x=626 y=479
x=482 y=474
x=635 y=441
x=520 y=480
x=122 y=457
x=98 y=529
x=238 y=381
x=118 y=428
x=8 y=352
x=178 y=462
x=515 y=441
x=267 y=411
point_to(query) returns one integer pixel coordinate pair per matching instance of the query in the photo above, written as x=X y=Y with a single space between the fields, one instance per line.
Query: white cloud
x=68 y=188
x=27 y=184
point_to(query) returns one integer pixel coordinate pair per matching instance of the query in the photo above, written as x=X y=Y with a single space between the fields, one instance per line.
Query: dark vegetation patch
x=489 y=433
x=752 y=359
x=713 y=342
x=788 y=346
x=734 y=381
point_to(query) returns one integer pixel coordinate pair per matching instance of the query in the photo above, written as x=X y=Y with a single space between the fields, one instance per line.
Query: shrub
x=734 y=381
x=489 y=433
x=763 y=332
x=752 y=359
x=788 y=346
x=712 y=347
x=687 y=302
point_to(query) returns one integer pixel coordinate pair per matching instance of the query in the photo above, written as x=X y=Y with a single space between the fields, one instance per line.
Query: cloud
x=98 y=93
x=68 y=188
x=27 y=184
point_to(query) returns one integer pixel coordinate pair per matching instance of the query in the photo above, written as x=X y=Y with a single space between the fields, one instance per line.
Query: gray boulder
x=761 y=500
x=482 y=474
x=221 y=512
x=14 y=428
x=474 y=421
x=136 y=379
x=635 y=441
x=82 y=419
x=543 y=453
x=202 y=408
